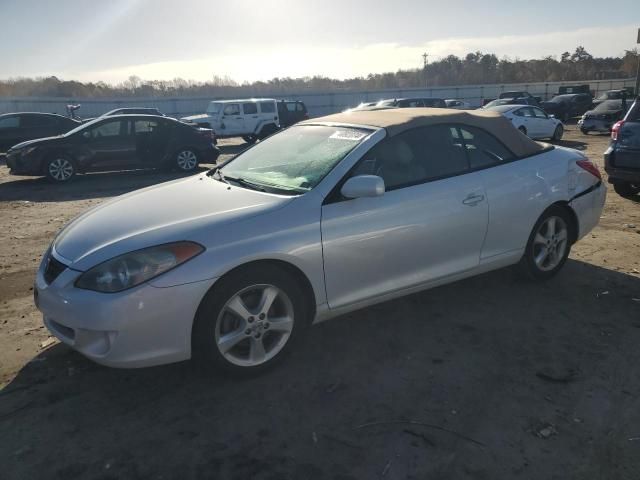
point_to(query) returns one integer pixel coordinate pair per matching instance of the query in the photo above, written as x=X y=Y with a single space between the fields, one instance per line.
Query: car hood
x=193 y=118
x=36 y=142
x=196 y=208
x=551 y=106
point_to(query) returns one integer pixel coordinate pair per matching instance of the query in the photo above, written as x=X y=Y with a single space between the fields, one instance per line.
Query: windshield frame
x=229 y=177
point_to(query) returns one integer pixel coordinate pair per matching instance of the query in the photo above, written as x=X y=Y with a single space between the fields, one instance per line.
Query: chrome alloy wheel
x=254 y=325
x=60 y=169
x=550 y=243
x=187 y=160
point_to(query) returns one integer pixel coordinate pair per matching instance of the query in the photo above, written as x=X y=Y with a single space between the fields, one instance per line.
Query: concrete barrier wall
x=318 y=103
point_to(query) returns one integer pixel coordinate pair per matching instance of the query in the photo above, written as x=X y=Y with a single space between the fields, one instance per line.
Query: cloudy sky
x=256 y=40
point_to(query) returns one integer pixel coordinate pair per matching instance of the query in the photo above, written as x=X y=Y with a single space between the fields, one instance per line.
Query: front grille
x=53 y=269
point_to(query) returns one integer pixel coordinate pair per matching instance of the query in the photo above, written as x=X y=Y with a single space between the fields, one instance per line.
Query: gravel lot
x=488 y=378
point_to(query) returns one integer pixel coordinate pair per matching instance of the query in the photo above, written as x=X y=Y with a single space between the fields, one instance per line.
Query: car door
x=232 y=120
x=529 y=121
x=545 y=125
x=109 y=144
x=251 y=117
x=430 y=222
x=151 y=137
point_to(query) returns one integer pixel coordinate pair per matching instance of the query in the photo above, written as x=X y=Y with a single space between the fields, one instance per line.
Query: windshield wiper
x=243 y=183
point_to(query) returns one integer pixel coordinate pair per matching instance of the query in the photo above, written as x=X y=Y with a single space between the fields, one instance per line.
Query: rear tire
x=626 y=189
x=584 y=132
x=60 y=168
x=249 y=321
x=557 y=134
x=548 y=246
x=250 y=139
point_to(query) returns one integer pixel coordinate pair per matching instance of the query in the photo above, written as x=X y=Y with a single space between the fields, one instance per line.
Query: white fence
x=318 y=103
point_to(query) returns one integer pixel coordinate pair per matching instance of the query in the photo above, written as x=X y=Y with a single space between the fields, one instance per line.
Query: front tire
x=557 y=134
x=186 y=160
x=60 y=168
x=249 y=321
x=548 y=246
x=626 y=189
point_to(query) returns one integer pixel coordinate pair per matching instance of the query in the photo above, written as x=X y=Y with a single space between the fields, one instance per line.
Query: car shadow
x=571 y=144
x=86 y=186
x=473 y=376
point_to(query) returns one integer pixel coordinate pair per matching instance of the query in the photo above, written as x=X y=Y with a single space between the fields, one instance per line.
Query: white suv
x=251 y=118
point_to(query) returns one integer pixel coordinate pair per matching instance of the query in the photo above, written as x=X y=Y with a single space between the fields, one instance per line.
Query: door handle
x=472 y=200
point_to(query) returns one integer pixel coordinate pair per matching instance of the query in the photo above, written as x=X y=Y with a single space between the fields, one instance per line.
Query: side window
x=231 y=109
x=145 y=126
x=539 y=113
x=31 y=121
x=291 y=106
x=9 y=122
x=526 y=112
x=299 y=107
x=249 y=108
x=483 y=148
x=107 y=129
x=267 y=107
x=416 y=156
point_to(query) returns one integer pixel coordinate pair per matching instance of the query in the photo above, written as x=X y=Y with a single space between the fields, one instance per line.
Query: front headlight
x=28 y=150
x=134 y=268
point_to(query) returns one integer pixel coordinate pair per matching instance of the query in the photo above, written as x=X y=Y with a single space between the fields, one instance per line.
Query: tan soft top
x=397 y=120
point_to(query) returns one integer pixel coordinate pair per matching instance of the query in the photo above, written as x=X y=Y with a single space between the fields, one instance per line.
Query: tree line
x=472 y=69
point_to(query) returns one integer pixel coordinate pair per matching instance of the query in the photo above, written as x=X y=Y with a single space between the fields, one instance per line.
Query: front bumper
x=595 y=125
x=21 y=165
x=140 y=327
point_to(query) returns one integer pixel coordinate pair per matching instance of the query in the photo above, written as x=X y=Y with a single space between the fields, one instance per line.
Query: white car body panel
x=353 y=253
x=537 y=128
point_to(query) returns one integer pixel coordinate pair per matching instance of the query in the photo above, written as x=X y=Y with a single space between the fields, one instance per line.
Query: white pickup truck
x=251 y=118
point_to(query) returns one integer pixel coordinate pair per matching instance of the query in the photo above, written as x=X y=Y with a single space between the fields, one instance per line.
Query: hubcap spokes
x=550 y=243
x=60 y=169
x=254 y=325
x=187 y=160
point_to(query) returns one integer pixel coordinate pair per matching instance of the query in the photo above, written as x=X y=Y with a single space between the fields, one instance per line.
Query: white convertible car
x=328 y=216
x=532 y=121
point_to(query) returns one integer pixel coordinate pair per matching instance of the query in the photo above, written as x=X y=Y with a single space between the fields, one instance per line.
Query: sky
x=247 y=40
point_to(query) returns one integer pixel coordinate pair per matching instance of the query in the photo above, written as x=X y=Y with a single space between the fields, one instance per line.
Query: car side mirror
x=363 y=186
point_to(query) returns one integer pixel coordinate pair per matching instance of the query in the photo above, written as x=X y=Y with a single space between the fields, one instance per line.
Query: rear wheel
x=548 y=246
x=584 y=131
x=186 y=160
x=249 y=321
x=627 y=189
x=60 y=168
x=557 y=134
x=250 y=139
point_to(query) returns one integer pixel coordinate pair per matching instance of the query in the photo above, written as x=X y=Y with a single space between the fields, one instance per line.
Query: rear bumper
x=588 y=208
x=618 y=174
x=595 y=125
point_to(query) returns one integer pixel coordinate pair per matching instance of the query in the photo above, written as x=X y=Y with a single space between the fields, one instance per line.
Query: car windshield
x=295 y=160
x=496 y=103
x=83 y=126
x=214 y=108
x=561 y=98
x=609 y=105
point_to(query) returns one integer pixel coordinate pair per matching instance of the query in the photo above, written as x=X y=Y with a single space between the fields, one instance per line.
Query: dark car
x=619 y=94
x=113 y=143
x=622 y=158
x=602 y=117
x=567 y=106
x=521 y=94
x=19 y=127
x=574 y=89
x=412 y=103
x=291 y=112
x=511 y=101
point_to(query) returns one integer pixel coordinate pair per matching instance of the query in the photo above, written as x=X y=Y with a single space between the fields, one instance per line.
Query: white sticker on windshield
x=352 y=135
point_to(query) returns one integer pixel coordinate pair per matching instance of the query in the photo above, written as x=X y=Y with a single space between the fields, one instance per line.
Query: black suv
x=19 y=127
x=622 y=158
x=291 y=111
x=568 y=105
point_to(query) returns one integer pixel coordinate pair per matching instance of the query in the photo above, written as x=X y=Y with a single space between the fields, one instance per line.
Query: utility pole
x=638 y=69
x=425 y=56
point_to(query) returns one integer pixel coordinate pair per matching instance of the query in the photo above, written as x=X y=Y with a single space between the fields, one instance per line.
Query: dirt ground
x=488 y=378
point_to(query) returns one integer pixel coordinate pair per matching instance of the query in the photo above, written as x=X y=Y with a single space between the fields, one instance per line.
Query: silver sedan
x=229 y=267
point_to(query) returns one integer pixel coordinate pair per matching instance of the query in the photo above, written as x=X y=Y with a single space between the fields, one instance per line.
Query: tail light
x=616 y=129
x=590 y=167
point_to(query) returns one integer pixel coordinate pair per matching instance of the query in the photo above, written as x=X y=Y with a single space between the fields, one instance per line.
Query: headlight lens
x=134 y=268
x=28 y=150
